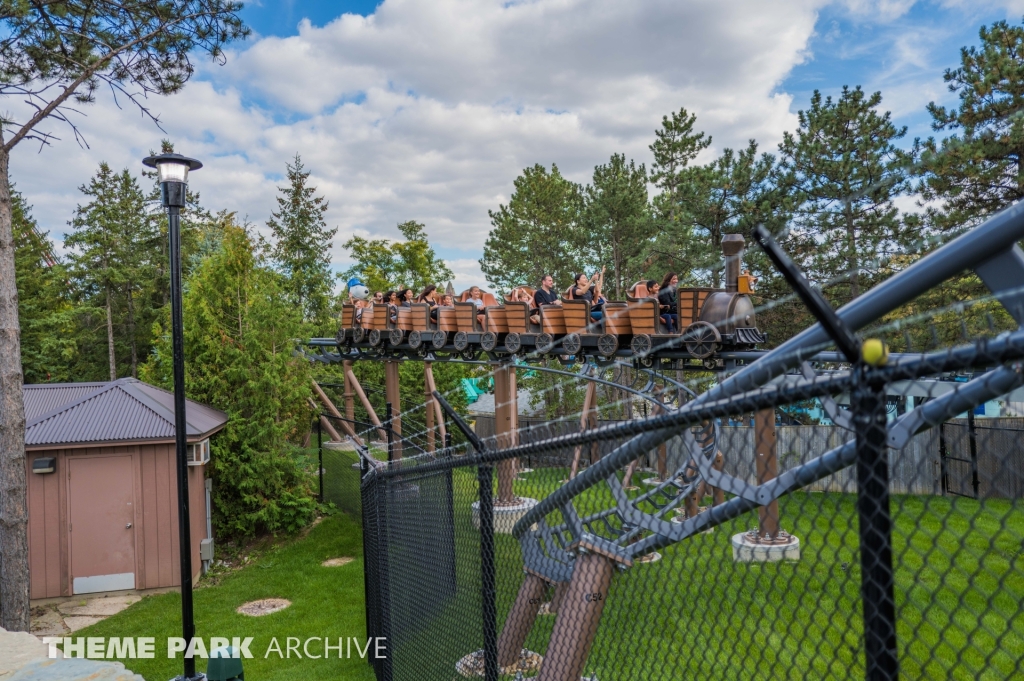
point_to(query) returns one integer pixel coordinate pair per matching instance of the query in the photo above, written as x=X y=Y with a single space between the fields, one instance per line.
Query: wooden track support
x=506 y=427
x=392 y=390
x=347 y=426
x=350 y=378
x=589 y=402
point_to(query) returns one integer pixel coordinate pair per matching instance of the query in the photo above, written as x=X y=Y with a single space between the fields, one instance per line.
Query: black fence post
x=875 y=532
x=488 y=610
x=943 y=466
x=972 y=439
x=390 y=433
x=320 y=456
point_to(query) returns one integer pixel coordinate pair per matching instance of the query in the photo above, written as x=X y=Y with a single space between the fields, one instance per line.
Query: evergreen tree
x=844 y=171
x=114 y=259
x=618 y=221
x=47 y=334
x=979 y=169
x=729 y=195
x=240 y=326
x=302 y=248
x=385 y=264
x=676 y=146
x=539 y=232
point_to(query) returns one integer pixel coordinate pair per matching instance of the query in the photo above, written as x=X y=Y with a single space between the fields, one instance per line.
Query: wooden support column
x=520 y=619
x=588 y=401
x=428 y=412
x=350 y=405
x=347 y=426
x=505 y=422
x=767 y=468
x=579 y=615
x=438 y=411
x=392 y=392
x=350 y=377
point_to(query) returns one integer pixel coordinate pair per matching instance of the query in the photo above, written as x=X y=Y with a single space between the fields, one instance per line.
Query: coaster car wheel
x=488 y=341
x=461 y=341
x=415 y=340
x=440 y=339
x=572 y=343
x=641 y=345
x=513 y=343
x=545 y=342
x=702 y=339
x=375 y=337
x=340 y=336
x=469 y=355
x=608 y=345
x=358 y=334
x=396 y=336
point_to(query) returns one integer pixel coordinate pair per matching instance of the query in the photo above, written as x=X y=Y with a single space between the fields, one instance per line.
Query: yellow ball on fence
x=874 y=352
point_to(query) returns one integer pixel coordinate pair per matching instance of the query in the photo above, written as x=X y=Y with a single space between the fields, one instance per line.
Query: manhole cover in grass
x=337 y=562
x=263 y=607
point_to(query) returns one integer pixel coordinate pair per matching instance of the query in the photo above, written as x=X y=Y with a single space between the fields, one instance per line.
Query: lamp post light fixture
x=172 y=171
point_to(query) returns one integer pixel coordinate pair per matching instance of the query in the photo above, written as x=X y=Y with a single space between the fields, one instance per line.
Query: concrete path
x=23 y=657
x=67 y=617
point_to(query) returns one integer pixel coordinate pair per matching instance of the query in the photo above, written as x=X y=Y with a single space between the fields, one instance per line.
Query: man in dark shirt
x=545 y=295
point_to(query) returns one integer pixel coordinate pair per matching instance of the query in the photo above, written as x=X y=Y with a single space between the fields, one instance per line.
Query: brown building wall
x=155 y=525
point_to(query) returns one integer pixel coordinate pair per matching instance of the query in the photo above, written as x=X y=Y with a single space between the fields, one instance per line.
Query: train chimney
x=732 y=249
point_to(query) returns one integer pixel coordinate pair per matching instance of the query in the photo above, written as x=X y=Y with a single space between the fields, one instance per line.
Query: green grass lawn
x=693 y=614
x=326 y=602
x=696 y=614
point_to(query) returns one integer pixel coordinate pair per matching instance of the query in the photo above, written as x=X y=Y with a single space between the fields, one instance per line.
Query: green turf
x=694 y=614
x=326 y=602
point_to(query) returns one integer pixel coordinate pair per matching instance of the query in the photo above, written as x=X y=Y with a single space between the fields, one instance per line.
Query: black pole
x=943 y=469
x=972 y=439
x=488 y=609
x=320 y=455
x=875 y=524
x=389 y=431
x=188 y=629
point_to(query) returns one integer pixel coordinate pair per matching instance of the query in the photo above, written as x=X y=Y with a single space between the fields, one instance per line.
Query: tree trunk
x=131 y=334
x=13 y=493
x=110 y=339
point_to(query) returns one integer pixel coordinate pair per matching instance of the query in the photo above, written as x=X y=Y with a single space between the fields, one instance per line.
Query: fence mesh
x=824 y=516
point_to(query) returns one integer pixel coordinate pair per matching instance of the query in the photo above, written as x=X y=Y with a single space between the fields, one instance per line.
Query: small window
x=199 y=453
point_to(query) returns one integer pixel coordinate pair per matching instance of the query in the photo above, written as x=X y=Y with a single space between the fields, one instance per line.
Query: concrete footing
x=746 y=548
x=505 y=517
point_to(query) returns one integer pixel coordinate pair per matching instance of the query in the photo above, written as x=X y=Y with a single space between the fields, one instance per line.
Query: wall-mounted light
x=44 y=464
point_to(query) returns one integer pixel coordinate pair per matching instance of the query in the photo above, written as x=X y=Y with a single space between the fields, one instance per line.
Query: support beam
x=392 y=390
x=350 y=377
x=347 y=426
x=438 y=411
x=325 y=423
x=350 y=406
x=579 y=615
x=520 y=619
x=767 y=468
x=505 y=430
x=588 y=401
x=428 y=412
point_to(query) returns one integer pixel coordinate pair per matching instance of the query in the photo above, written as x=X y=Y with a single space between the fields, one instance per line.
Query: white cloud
x=428 y=111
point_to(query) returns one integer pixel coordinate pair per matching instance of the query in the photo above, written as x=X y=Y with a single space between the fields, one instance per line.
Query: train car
x=711 y=320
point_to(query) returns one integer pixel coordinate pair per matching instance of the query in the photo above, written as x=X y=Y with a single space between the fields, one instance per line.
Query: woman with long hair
x=667 y=301
x=582 y=289
x=429 y=296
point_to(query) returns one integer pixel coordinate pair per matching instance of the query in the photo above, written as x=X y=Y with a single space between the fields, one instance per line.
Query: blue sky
x=420 y=110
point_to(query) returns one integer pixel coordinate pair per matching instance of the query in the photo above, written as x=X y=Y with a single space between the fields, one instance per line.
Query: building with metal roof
x=102 y=486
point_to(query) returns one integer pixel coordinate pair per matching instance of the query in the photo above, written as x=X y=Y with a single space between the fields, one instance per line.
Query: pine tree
x=302 y=248
x=844 y=171
x=114 y=261
x=618 y=221
x=539 y=232
x=676 y=146
x=979 y=169
x=240 y=326
x=47 y=336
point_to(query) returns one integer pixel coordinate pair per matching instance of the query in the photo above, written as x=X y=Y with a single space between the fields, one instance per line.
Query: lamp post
x=172 y=171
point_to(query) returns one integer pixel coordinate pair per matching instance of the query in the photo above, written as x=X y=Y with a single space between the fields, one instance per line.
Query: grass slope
x=326 y=602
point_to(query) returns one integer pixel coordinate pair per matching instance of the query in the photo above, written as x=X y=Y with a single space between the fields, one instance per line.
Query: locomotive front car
x=727 y=319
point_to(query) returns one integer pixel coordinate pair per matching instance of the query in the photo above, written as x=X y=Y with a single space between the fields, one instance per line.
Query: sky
x=429 y=110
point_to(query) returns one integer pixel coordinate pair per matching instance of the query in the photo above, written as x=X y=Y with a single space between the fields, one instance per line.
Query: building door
x=101 y=523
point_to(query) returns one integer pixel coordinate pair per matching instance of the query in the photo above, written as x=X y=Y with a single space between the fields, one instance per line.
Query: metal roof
x=123 y=410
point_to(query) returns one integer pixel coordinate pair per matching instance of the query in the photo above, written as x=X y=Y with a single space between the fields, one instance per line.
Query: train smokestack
x=732 y=249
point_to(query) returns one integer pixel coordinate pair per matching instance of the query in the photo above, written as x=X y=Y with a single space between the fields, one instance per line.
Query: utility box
x=206 y=550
